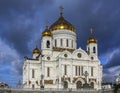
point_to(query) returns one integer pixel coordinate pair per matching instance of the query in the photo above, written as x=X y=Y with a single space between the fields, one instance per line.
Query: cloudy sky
x=22 y=21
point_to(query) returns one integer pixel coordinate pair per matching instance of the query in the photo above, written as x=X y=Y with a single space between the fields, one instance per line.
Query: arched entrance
x=92 y=84
x=65 y=84
x=78 y=85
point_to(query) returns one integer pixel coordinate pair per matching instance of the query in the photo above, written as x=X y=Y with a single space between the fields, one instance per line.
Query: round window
x=48 y=58
x=79 y=55
x=65 y=55
x=92 y=58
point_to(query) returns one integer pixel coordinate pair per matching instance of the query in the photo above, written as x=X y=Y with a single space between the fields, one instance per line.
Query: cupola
x=46 y=32
x=62 y=23
x=92 y=38
x=36 y=51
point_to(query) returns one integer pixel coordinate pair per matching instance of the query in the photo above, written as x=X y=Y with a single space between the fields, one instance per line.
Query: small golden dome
x=36 y=51
x=61 y=23
x=46 y=32
x=91 y=40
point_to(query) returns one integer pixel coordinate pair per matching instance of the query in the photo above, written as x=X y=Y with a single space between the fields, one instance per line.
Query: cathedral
x=60 y=64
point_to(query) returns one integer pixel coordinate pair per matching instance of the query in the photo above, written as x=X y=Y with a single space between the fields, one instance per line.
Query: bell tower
x=92 y=44
x=46 y=40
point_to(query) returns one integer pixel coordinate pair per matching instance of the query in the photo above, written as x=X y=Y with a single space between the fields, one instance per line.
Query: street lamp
x=42 y=86
x=86 y=75
x=42 y=75
x=86 y=85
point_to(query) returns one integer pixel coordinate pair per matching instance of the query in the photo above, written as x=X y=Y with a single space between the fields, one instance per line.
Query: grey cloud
x=13 y=28
x=17 y=67
x=109 y=74
x=114 y=61
x=18 y=38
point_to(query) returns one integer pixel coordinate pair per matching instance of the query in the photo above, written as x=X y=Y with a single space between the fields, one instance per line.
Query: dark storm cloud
x=110 y=74
x=113 y=61
x=22 y=6
x=17 y=25
x=18 y=38
x=104 y=17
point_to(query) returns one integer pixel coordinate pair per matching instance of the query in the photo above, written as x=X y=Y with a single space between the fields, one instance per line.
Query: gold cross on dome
x=61 y=9
x=36 y=43
x=91 y=30
x=47 y=24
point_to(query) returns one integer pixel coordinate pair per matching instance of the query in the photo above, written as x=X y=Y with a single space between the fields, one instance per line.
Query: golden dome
x=46 y=32
x=36 y=51
x=91 y=40
x=61 y=23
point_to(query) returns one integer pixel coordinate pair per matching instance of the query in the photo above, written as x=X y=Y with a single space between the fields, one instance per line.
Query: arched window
x=33 y=73
x=91 y=71
x=61 y=42
x=55 y=42
x=65 y=69
x=82 y=70
x=48 y=44
x=65 y=84
x=94 y=50
x=33 y=86
x=79 y=70
x=48 y=71
x=79 y=85
x=76 y=70
x=67 y=43
x=88 y=50
x=72 y=43
x=92 y=84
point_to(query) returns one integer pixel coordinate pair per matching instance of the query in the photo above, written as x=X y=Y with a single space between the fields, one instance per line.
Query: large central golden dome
x=61 y=23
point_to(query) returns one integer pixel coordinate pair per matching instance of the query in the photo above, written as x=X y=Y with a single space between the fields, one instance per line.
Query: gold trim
x=62 y=49
x=48 y=81
x=65 y=78
x=92 y=79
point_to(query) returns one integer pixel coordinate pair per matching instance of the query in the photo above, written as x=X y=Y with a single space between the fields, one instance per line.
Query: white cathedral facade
x=59 y=64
